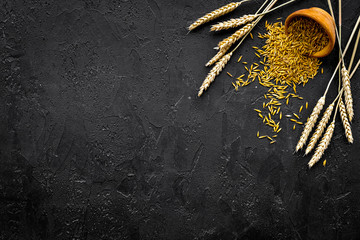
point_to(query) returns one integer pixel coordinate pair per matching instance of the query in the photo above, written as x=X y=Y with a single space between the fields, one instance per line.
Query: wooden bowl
x=326 y=22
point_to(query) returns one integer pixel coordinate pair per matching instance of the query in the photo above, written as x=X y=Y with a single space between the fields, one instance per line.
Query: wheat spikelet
x=324 y=143
x=227 y=42
x=214 y=72
x=220 y=53
x=215 y=14
x=345 y=121
x=232 y=23
x=347 y=93
x=320 y=128
x=310 y=123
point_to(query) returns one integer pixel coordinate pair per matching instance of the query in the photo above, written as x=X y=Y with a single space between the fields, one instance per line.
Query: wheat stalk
x=214 y=72
x=232 y=23
x=215 y=14
x=324 y=143
x=227 y=42
x=320 y=128
x=310 y=123
x=347 y=93
x=345 y=121
x=220 y=53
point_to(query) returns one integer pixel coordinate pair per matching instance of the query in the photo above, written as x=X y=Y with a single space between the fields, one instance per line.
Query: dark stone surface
x=102 y=135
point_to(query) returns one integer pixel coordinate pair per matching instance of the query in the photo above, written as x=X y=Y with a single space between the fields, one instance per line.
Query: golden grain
x=286 y=62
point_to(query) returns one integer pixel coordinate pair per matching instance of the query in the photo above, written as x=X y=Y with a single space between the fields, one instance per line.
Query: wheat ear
x=320 y=128
x=227 y=42
x=232 y=23
x=214 y=72
x=345 y=121
x=310 y=123
x=215 y=14
x=219 y=54
x=236 y=22
x=347 y=93
x=324 y=143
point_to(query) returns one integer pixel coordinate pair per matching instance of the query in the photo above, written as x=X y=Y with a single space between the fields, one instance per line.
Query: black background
x=103 y=137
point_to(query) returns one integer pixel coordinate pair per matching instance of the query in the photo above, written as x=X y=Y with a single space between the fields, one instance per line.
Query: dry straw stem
x=354 y=51
x=324 y=143
x=215 y=14
x=310 y=123
x=347 y=93
x=320 y=128
x=345 y=121
x=220 y=53
x=345 y=50
x=232 y=23
x=229 y=41
x=214 y=72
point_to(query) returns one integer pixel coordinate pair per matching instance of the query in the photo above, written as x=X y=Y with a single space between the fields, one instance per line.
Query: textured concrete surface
x=102 y=135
